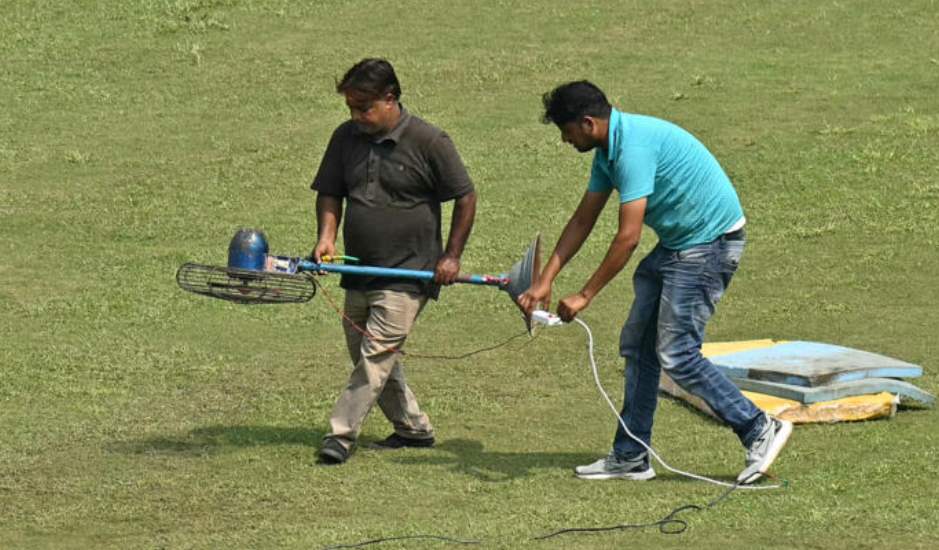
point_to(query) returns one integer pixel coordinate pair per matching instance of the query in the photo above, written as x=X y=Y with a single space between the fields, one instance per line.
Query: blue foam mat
x=838 y=390
x=811 y=364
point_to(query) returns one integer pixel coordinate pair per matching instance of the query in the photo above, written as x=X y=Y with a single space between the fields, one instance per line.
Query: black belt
x=738 y=235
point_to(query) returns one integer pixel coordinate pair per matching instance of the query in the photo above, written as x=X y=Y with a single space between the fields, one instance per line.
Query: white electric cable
x=549 y=319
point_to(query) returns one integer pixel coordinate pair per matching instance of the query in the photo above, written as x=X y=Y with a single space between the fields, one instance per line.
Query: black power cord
x=457 y=357
x=668 y=525
x=411 y=537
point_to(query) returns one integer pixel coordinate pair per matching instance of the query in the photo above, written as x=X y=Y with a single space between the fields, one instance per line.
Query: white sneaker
x=764 y=450
x=613 y=467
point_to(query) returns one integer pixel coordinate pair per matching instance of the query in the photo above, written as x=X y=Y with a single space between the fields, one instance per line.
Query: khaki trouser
x=378 y=374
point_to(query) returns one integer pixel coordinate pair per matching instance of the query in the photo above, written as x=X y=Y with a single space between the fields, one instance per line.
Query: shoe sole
x=644 y=475
x=379 y=447
x=579 y=470
x=586 y=468
x=778 y=443
x=330 y=457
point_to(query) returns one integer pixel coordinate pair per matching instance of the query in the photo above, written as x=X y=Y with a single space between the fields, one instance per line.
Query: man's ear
x=390 y=100
x=588 y=124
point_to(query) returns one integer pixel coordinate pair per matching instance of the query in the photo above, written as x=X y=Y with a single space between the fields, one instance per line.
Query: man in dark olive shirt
x=392 y=170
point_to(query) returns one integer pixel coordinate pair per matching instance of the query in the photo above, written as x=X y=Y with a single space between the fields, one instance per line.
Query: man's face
x=579 y=134
x=371 y=115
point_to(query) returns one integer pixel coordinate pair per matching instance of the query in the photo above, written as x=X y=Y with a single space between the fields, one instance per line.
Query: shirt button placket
x=371 y=173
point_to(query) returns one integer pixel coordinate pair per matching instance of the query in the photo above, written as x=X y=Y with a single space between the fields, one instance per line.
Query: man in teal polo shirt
x=668 y=180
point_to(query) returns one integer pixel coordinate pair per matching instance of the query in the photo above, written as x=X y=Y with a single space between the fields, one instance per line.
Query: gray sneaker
x=764 y=450
x=613 y=467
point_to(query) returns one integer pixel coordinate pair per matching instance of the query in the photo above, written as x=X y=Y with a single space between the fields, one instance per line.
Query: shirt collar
x=614 y=138
x=395 y=134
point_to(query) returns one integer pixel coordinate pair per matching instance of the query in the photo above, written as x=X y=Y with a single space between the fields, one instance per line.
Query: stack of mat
x=812 y=382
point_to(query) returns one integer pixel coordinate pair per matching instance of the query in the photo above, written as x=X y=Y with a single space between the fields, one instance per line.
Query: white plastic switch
x=546 y=318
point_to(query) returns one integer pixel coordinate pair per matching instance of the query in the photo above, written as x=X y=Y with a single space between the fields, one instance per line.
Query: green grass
x=136 y=136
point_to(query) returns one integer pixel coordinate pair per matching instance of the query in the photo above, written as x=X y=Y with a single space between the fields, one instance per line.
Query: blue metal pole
x=372 y=271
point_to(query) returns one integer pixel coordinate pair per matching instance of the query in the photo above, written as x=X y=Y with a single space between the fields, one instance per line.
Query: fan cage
x=244 y=286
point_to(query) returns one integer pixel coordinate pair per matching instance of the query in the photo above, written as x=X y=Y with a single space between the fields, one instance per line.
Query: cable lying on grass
x=670 y=524
x=553 y=321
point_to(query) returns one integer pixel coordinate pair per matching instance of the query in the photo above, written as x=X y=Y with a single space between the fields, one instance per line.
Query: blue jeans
x=675 y=296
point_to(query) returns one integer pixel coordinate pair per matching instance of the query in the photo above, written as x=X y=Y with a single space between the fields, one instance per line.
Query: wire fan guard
x=245 y=286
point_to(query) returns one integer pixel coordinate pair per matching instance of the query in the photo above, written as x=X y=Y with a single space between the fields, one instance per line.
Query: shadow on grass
x=469 y=457
x=217 y=439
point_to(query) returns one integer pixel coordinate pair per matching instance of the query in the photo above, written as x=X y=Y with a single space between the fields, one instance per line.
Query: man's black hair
x=572 y=101
x=373 y=77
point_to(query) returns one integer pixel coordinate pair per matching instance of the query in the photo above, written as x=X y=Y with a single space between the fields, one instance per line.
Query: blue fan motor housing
x=248 y=250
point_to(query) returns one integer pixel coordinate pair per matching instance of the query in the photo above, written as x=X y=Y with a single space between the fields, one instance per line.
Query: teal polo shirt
x=690 y=200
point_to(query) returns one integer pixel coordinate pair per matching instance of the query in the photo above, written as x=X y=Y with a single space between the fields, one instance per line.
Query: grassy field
x=135 y=136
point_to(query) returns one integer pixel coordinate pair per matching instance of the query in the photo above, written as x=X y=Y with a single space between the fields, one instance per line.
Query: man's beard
x=367 y=129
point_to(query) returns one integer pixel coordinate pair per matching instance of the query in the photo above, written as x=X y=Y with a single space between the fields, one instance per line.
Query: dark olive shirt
x=392 y=185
